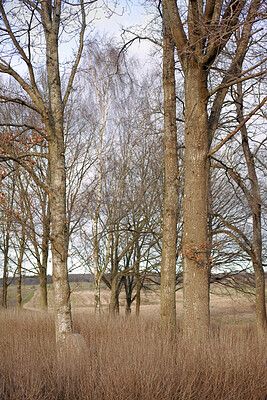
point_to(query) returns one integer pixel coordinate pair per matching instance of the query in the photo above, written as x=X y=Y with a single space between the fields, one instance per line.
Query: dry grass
x=127 y=359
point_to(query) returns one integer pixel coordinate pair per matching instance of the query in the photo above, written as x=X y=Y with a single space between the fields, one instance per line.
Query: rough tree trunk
x=114 y=300
x=128 y=305
x=19 y=294
x=19 y=275
x=45 y=249
x=195 y=247
x=138 y=291
x=4 y=287
x=43 y=287
x=59 y=238
x=5 y=270
x=128 y=282
x=56 y=159
x=168 y=263
x=260 y=299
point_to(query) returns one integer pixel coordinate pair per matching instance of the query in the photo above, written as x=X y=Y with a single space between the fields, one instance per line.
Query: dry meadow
x=127 y=358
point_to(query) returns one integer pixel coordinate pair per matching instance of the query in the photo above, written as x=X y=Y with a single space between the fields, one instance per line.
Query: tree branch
x=78 y=57
x=176 y=26
x=237 y=128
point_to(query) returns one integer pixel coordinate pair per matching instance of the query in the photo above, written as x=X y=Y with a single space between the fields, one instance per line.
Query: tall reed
x=127 y=359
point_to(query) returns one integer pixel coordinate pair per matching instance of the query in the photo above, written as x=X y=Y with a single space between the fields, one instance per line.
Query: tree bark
x=19 y=294
x=97 y=296
x=195 y=247
x=45 y=248
x=138 y=295
x=138 y=283
x=128 y=305
x=114 y=300
x=5 y=269
x=19 y=275
x=43 y=287
x=260 y=299
x=4 y=287
x=95 y=227
x=59 y=237
x=56 y=160
x=169 y=240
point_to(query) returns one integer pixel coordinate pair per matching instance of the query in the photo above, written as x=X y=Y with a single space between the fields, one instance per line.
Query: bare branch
x=78 y=57
x=24 y=164
x=27 y=126
x=232 y=81
x=238 y=127
x=224 y=30
x=21 y=102
x=33 y=92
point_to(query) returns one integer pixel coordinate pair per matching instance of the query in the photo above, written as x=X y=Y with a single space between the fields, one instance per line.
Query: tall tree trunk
x=114 y=300
x=138 y=279
x=59 y=243
x=260 y=299
x=168 y=263
x=195 y=247
x=56 y=159
x=19 y=293
x=95 y=225
x=19 y=275
x=138 y=291
x=5 y=269
x=128 y=305
x=45 y=248
x=43 y=287
x=128 y=282
x=97 y=296
x=4 y=287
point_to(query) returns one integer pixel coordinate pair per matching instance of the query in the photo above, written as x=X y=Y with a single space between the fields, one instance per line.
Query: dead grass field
x=225 y=308
x=129 y=358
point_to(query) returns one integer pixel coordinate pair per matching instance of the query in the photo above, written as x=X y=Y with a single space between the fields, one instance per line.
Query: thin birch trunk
x=95 y=226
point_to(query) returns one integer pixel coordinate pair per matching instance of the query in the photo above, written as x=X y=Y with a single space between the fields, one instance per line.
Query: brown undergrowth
x=127 y=359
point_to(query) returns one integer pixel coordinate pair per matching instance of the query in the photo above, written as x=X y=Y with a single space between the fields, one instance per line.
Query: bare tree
x=244 y=176
x=201 y=33
x=7 y=211
x=46 y=19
